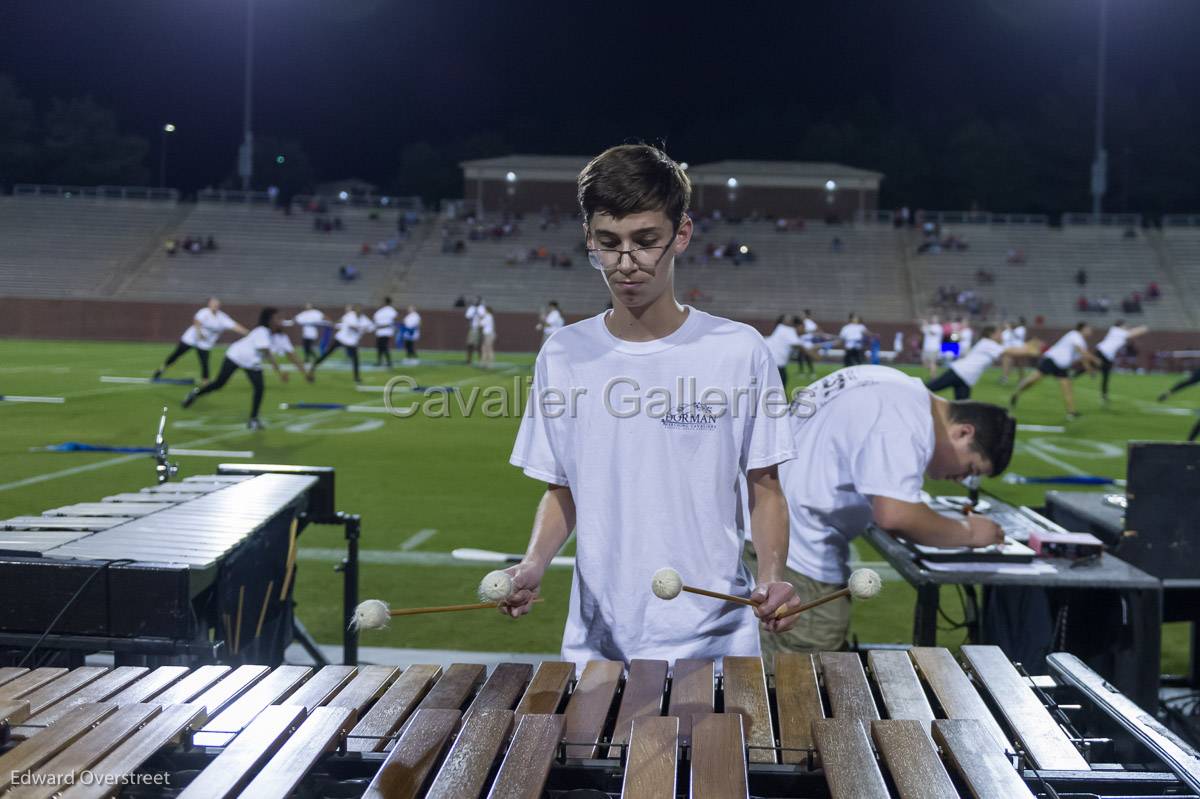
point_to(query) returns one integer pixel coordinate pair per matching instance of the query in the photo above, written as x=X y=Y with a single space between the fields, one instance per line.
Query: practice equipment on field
x=489 y=556
x=43 y=400
x=406 y=389
x=331 y=406
x=79 y=446
x=166 y=381
x=1062 y=479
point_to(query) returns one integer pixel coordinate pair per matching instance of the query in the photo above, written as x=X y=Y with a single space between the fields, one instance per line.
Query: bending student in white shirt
x=866 y=438
x=964 y=373
x=207 y=326
x=265 y=341
x=384 y=323
x=808 y=340
x=658 y=430
x=350 y=330
x=854 y=337
x=1072 y=348
x=1110 y=346
x=783 y=339
x=310 y=319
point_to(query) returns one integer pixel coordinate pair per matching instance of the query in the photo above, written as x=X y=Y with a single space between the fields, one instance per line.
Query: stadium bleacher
x=89 y=247
x=78 y=247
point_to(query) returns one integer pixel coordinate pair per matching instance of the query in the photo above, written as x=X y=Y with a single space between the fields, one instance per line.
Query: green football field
x=427 y=486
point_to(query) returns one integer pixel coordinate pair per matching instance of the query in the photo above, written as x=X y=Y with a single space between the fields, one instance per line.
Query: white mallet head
x=495 y=586
x=372 y=614
x=865 y=583
x=666 y=583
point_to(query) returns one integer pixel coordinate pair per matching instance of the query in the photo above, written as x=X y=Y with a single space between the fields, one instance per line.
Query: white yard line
x=418 y=538
x=1045 y=457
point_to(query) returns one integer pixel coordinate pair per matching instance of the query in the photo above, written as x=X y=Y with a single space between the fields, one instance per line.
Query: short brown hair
x=631 y=179
x=995 y=430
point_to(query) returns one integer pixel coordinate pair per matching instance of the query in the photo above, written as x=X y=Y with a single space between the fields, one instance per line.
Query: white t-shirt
x=351 y=328
x=552 y=323
x=212 y=325
x=861 y=432
x=852 y=334
x=487 y=324
x=412 y=320
x=474 y=312
x=281 y=344
x=780 y=343
x=385 y=321
x=965 y=337
x=1113 y=341
x=1065 y=351
x=931 y=338
x=1008 y=338
x=653 y=458
x=247 y=351
x=810 y=329
x=971 y=366
x=1019 y=335
x=309 y=318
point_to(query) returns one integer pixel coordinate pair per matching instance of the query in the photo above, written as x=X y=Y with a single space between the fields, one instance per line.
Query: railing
x=235 y=196
x=1104 y=220
x=96 y=192
x=363 y=200
x=956 y=218
x=1181 y=220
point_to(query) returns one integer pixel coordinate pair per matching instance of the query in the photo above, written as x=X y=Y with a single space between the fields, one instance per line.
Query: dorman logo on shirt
x=691 y=416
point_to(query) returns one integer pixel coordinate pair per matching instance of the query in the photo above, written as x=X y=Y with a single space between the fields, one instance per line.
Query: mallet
x=495 y=587
x=666 y=584
x=863 y=584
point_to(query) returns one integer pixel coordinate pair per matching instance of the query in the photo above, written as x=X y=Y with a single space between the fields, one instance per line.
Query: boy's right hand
x=982 y=531
x=527 y=581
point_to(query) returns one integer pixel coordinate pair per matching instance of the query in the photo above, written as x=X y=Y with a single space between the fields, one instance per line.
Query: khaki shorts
x=474 y=336
x=930 y=358
x=823 y=628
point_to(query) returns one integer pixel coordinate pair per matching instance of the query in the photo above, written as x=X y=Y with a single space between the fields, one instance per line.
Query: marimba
x=198 y=569
x=891 y=724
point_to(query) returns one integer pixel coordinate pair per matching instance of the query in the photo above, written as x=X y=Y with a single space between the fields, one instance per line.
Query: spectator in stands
x=1152 y=291
x=1015 y=255
x=348 y=272
x=836 y=244
x=172 y=246
x=461 y=302
x=1081 y=277
x=210 y=243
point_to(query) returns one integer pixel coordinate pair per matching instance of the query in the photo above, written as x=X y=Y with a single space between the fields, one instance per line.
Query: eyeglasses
x=644 y=258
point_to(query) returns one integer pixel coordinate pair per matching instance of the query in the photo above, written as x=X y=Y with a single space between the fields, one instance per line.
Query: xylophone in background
x=190 y=571
x=893 y=723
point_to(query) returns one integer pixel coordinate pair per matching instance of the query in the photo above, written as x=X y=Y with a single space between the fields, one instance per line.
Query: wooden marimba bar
x=896 y=723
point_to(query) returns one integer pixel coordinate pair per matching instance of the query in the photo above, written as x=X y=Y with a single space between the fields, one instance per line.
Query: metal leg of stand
x=925 y=615
x=305 y=639
x=349 y=570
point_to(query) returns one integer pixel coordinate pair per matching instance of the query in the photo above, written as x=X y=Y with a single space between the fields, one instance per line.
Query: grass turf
x=448 y=475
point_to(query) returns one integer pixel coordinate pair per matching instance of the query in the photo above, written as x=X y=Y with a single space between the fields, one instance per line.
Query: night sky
x=354 y=81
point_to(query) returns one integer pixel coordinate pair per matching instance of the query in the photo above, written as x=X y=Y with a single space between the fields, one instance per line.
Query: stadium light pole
x=246 y=151
x=162 y=156
x=1100 y=164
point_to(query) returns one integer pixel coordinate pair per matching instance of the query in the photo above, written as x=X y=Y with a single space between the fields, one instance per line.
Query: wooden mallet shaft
x=741 y=600
x=446 y=608
x=838 y=594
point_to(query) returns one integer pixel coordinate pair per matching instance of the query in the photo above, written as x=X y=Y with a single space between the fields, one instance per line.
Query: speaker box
x=1163 y=519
